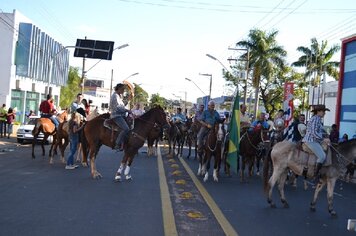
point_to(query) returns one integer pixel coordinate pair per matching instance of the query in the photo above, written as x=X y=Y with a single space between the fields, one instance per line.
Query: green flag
x=234 y=129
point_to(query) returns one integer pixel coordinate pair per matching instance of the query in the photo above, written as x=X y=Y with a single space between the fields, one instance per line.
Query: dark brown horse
x=153 y=138
x=192 y=136
x=46 y=126
x=176 y=135
x=213 y=147
x=288 y=155
x=250 y=145
x=96 y=135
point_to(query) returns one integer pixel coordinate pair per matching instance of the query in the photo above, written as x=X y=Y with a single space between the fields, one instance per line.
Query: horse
x=46 y=126
x=153 y=138
x=176 y=135
x=62 y=138
x=288 y=155
x=96 y=135
x=192 y=136
x=252 y=142
x=213 y=147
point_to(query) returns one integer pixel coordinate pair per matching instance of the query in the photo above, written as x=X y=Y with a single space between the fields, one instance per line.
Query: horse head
x=220 y=132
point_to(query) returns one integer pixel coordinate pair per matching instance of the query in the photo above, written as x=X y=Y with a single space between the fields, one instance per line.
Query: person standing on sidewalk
x=3 y=120
x=74 y=128
x=10 y=117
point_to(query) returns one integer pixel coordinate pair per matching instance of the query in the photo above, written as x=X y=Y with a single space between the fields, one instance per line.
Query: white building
x=329 y=98
x=32 y=64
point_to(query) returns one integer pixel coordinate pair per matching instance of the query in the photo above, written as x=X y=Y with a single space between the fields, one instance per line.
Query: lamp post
x=211 y=81
x=112 y=71
x=50 y=65
x=195 y=85
x=131 y=76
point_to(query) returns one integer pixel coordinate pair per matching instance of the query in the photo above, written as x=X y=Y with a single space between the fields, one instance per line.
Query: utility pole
x=112 y=78
x=83 y=72
x=247 y=68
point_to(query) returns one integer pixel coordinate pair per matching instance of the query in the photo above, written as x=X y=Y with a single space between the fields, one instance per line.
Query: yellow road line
x=224 y=223
x=169 y=223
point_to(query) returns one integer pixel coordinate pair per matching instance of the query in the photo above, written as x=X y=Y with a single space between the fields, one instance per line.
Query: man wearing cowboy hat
x=315 y=135
x=118 y=112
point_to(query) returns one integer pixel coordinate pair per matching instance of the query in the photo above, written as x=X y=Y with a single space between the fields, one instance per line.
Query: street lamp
x=195 y=85
x=117 y=48
x=131 y=76
x=211 y=80
x=214 y=58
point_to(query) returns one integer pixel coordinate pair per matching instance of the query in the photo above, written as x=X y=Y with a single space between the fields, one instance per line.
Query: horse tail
x=266 y=167
x=84 y=143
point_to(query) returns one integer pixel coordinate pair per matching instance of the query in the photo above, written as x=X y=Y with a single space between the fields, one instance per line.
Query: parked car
x=24 y=132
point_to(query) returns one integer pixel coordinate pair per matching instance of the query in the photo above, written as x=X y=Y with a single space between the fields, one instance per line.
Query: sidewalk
x=8 y=144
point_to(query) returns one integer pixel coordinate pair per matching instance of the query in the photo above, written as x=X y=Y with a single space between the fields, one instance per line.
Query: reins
x=340 y=158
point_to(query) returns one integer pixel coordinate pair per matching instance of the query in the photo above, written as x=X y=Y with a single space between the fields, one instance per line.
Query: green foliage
x=141 y=96
x=70 y=91
x=156 y=99
x=316 y=59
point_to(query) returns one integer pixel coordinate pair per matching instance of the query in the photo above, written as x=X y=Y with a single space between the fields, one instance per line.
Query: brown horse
x=46 y=126
x=96 y=134
x=153 y=138
x=192 y=136
x=250 y=145
x=213 y=147
x=288 y=155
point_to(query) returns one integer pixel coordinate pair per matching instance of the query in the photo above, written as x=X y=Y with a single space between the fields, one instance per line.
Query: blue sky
x=169 y=39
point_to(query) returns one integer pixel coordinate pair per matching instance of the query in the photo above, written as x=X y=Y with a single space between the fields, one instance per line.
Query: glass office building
x=32 y=64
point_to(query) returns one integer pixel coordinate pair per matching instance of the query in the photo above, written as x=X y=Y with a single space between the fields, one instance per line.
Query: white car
x=24 y=132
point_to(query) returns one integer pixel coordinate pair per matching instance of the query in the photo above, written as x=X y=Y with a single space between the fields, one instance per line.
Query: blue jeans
x=317 y=150
x=55 y=121
x=3 y=127
x=73 y=139
x=201 y=134
x=120 y=121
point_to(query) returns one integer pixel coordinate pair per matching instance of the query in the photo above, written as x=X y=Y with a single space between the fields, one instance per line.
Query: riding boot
x=316 y=172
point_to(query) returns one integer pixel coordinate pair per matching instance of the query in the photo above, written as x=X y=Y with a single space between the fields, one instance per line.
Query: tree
x=156 y=99
x=265 y=57
x=141 y=96
x=316 y=59
x=70 y=91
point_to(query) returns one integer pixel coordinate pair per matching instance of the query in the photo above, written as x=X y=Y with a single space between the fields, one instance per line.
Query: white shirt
x=117 y=105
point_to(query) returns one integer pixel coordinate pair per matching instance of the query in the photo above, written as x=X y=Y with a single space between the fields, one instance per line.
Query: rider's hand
x=209 y=126
x=327 y=141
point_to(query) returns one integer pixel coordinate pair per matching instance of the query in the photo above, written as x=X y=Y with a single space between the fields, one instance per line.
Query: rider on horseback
x=118 y=112
x=315 y=135
x=47 y=110
x=209 y=118
x=179 y=119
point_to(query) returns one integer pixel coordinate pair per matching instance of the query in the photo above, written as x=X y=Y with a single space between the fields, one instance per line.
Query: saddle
x=110 y=124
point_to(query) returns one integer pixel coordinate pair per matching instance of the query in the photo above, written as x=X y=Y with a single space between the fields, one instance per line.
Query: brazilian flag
x=234 y=130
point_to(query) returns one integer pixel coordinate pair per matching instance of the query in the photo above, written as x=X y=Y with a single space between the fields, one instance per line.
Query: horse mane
x=147 y=114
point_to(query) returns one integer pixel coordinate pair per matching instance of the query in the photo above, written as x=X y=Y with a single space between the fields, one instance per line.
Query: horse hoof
x=312 y=209
x=128 y=177
x=273 y=205
x=286 y=205
x=333 y=214
x=84 y=164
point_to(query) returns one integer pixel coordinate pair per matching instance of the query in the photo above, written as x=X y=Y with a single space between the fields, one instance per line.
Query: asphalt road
x=42 y=199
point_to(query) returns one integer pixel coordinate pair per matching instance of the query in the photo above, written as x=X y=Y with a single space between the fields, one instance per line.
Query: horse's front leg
x=330 y=193
x=242 y=174
x=53 y=146
x=318 y=188
x=94 y=173
x=119 y=171
x=43 y=143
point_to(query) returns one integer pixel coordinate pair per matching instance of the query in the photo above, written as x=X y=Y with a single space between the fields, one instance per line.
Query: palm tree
x=265 y=56
x=316 y=60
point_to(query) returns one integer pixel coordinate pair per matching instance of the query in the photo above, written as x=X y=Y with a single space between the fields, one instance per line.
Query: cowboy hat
x=319 y=107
